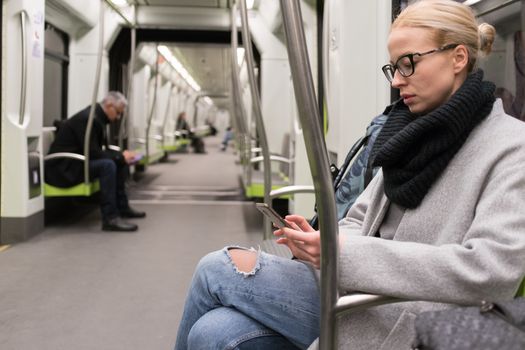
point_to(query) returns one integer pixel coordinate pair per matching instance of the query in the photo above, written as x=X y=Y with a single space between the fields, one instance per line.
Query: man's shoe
x=116 y=224
x=132 y=213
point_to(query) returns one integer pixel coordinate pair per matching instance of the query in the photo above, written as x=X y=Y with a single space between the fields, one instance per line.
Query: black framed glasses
x=405 y=64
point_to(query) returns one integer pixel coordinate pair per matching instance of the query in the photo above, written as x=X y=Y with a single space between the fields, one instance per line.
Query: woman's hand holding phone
x=303 y=240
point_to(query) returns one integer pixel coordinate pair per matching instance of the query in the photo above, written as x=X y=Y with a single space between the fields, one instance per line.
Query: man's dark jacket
x=70 y=138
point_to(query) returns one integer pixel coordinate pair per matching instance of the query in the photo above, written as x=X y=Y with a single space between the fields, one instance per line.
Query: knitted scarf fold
x=414 y=150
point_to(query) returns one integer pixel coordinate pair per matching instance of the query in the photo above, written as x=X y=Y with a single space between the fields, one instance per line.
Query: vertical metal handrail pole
x=196 y=109
x=123 y=130
x=153 y=104
x=167 y=114
x=87 y=138
x=240 y=128
x=325 y=57
x=23 y=82
x=259 y=121
x=319 y=166
x=240 y=112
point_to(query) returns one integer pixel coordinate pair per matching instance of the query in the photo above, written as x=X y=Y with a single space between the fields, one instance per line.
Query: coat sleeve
x=352 y=223
x=97 y=141
x=488 y=264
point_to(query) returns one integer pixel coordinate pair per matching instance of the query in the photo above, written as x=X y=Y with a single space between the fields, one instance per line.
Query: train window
x=505 y=66
x=55 y=75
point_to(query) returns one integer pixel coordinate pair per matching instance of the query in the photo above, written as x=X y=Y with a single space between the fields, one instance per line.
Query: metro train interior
x=67 y=284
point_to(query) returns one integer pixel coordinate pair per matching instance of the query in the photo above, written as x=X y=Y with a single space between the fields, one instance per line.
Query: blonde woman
x=441 y=222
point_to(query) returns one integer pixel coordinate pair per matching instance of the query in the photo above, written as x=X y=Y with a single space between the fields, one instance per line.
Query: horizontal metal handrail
x=201 y=128
x=114 y=148
x=65 y=155
x=360 y=301
x=274 y=158
x=294 y=189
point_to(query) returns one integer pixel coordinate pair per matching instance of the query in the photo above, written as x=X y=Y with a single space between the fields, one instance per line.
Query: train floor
x=74 y=286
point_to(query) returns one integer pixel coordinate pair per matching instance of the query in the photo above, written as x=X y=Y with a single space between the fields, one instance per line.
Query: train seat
x=84 y=189
x=254 y=186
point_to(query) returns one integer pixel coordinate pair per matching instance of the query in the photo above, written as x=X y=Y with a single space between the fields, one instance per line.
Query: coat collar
x=100 y=115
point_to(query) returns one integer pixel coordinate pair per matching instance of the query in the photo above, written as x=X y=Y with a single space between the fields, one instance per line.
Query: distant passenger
x=196 y=142
x=109 y=166
x=213 y=129
x=441 y=222
x=182 y=124
x=228 y=136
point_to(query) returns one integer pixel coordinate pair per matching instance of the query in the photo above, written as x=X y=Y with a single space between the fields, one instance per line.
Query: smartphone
x=271 y=214
x=137 y=158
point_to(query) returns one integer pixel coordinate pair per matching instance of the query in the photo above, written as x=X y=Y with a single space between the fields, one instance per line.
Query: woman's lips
x=408 y=98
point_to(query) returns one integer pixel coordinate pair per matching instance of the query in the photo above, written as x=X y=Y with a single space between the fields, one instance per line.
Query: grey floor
x=76 y=287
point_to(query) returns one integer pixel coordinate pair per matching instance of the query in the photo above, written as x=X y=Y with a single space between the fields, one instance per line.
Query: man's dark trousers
x=112 y=178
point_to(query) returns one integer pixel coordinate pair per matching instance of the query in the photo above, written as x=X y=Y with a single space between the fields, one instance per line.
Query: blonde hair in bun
x=487 y=34
x=449 y=22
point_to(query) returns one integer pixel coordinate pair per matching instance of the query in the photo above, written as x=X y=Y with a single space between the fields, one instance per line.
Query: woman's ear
x=460 y=58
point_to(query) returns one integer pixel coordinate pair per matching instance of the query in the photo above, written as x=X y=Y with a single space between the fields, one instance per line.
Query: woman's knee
x=244 y=260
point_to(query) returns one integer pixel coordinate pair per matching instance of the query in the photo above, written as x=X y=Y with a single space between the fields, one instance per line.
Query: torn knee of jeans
x=256 y=266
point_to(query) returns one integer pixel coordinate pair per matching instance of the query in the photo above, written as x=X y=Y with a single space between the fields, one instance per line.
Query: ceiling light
x=471 y=2
x=174 y=62
x=249 y=4
x=120 y=3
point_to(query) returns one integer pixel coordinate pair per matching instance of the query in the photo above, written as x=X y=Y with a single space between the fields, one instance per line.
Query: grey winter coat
x=464 y=243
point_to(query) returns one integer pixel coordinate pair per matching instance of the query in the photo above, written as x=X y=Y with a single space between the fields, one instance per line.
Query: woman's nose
x=397 y=80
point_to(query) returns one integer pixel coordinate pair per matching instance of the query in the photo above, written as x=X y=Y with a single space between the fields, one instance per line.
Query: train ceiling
x=208 y=64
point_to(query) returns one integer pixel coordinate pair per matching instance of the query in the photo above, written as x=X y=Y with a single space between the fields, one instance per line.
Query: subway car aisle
x=76 y=287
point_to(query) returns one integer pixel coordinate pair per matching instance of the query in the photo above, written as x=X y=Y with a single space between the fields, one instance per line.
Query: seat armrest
x=273 y=158
x=360 y=301
x=294 y=189
x=114 y=148
x=65 y=155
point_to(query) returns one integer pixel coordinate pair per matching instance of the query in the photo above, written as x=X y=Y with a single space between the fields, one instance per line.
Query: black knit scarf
x=414 y=150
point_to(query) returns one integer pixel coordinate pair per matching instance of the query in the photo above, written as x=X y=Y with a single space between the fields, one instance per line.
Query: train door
x=22 y=204
x=55 y=75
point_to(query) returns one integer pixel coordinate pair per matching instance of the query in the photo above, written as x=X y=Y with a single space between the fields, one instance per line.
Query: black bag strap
x=337 y=174
x=349 y=157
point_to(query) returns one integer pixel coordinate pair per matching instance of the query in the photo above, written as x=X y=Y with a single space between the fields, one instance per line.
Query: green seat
x=170 y=148
x=81 y=189
x=521 y=289
x=179 y=143
x=255 y=189
x=153 y=158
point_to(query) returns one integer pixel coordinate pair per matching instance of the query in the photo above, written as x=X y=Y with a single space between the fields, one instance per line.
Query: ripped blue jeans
x=275 y=306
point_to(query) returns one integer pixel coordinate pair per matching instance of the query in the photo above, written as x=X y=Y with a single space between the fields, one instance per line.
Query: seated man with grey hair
x=109 y=166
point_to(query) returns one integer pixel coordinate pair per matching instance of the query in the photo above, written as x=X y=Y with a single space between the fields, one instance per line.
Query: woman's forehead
x=403 y=40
